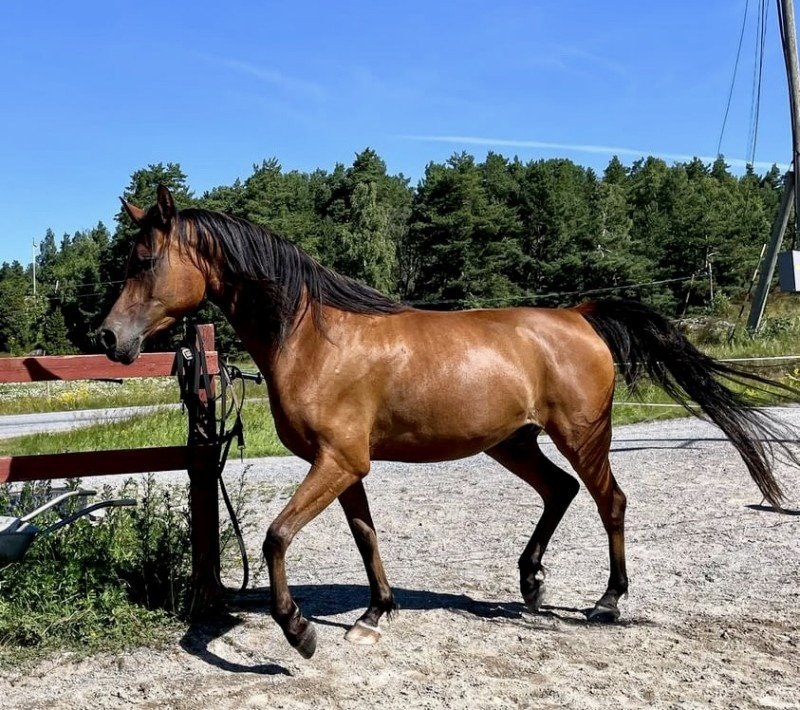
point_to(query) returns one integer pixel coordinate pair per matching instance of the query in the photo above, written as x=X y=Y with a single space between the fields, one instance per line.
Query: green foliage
x=360 y=207
x=463 y=234
x=111 y=585
x=55 y=338
x=497 y=232
x=74 y=284
x=14 y=285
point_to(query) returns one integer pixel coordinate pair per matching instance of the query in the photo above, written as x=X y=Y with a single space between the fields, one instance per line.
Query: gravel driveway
x=711 y=620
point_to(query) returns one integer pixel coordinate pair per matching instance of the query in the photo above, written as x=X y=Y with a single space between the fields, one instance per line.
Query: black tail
x=642 y=340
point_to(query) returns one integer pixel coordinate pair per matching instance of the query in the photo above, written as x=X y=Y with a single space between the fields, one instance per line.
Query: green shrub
x=119 y=583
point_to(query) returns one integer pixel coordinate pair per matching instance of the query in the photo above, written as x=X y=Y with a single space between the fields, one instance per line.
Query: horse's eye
x=144 y=263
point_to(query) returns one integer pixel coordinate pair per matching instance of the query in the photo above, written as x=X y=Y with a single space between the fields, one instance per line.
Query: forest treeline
x=500 y=232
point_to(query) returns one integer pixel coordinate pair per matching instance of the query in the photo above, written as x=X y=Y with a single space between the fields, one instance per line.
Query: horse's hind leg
x=587 y=450
x=356 y=508
x=521 y=455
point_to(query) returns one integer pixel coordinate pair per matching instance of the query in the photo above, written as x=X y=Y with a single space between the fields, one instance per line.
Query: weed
x=121 y=583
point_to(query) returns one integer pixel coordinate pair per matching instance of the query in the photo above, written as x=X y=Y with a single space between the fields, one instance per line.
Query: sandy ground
x=711 y=620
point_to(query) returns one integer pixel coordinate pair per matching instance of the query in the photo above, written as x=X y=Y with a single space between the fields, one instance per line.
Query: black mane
x=256 y=254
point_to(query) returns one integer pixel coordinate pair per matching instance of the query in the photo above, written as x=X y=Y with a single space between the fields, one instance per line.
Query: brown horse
x=355 y=376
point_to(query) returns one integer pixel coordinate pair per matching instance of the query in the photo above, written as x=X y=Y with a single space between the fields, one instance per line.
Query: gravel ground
x=710 y=622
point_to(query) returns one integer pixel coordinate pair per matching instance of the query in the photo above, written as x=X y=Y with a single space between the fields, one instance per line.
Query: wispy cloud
x=276 y=78
x=580 y=148
x=577 y=60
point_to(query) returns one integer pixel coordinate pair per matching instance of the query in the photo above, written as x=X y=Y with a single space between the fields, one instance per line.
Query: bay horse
x=354 y=376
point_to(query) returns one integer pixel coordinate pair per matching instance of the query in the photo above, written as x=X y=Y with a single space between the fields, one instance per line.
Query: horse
x=355 y=376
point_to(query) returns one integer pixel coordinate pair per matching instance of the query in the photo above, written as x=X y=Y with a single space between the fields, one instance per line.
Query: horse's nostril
x=107 y=339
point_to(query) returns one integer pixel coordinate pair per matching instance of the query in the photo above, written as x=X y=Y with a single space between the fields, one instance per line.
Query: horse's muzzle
x=119 y=351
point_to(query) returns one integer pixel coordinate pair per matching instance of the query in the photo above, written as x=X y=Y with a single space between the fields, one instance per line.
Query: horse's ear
x=166 y=205
x=137 y=214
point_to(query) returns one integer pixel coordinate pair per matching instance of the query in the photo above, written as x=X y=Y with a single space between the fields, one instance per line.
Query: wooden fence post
x=204 y=450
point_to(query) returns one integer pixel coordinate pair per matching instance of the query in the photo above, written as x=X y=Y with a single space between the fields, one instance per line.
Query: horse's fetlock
x=386 y=603
x=531 y=576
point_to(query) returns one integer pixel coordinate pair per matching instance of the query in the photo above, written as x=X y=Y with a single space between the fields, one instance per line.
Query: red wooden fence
x=198 y=460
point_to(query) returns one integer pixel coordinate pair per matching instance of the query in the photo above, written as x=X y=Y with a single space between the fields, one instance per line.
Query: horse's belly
x=447 y=427
x=413 y=450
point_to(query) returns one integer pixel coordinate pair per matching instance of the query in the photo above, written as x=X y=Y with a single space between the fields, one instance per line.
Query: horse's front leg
x=356 y=508
x=328 y=478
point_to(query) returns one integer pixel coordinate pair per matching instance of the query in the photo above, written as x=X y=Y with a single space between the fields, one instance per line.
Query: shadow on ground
x=319 y=602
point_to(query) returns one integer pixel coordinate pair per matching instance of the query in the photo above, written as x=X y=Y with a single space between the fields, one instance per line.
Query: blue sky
x=93 y=91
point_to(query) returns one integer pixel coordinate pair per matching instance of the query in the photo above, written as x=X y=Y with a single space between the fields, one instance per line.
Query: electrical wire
x=529 y=298
x=758 y=75
x=733 y=79
x=532 y=298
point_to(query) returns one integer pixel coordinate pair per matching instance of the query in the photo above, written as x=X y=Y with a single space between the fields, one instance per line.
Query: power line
x=444 y=302
x=758 y=75
x=553 y=294
x=733 y=79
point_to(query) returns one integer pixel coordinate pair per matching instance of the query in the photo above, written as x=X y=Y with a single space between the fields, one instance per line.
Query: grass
x=32 y=397
x=161 y=427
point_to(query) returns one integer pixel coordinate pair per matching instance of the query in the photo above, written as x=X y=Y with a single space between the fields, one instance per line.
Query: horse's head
x=163 y=283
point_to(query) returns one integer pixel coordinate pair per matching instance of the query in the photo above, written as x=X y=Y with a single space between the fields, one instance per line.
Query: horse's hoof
x=306 y=641
x=533 y=589
x=362 y=634
x=534 y=599
x=603 y=614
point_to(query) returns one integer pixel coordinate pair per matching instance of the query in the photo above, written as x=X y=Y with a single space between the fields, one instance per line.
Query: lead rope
x=191 y=360
x=227 y=437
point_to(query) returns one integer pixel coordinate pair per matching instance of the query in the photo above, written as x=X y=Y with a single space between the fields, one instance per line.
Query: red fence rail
x=199 y=461
x=89 y=367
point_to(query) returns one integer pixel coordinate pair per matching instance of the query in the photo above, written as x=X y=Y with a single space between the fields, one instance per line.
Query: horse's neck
x=255 y=320
x=249 y=310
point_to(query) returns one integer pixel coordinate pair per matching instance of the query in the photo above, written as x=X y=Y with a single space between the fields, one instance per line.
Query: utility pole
x=789 y=41
x=33 y=249
x=771 y=258
x=790 y=183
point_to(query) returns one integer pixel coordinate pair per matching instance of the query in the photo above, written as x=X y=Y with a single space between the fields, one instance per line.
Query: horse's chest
x=292 y=425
